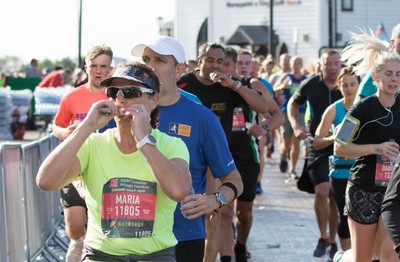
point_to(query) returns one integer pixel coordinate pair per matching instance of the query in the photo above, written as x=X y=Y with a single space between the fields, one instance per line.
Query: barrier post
x=13 y=199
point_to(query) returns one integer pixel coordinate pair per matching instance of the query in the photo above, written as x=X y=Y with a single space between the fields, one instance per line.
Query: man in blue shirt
x=203 y=135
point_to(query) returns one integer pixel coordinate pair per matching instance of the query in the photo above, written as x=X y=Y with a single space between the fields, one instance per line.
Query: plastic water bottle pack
x=22 y=100
x=6 y=108
x=47 y=100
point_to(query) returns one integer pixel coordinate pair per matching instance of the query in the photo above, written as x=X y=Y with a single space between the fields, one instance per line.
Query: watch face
x=152 y=139
x=221 y=198
x=238 y=84
x=265 y=127
x=148 y=139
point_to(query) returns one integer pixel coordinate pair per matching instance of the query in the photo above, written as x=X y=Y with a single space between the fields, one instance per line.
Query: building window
x=347 y=5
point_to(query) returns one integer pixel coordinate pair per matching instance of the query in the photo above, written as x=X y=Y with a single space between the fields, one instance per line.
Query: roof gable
x=251 y=35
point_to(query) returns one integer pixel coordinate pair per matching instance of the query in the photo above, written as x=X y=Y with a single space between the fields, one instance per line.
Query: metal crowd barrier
x=28 y=215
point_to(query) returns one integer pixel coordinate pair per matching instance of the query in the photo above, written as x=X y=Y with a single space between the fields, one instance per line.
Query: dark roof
x=251 y=35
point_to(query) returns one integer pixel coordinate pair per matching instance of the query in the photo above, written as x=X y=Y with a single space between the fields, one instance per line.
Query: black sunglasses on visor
x=127 y=91
x=143 y=77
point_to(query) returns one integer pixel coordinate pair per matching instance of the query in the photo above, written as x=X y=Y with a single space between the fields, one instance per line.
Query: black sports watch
x=220 y=199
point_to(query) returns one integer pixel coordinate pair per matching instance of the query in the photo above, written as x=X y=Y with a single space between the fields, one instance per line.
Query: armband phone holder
x=348 y=128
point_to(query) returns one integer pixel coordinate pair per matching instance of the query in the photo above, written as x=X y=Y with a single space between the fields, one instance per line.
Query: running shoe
x=269 y=153
x=338 y=256
x=293 y=175
x=333 y=250
x=270 y=150
x=322 y=245
x=248 y=254
x=283 y=166
x=259 y=188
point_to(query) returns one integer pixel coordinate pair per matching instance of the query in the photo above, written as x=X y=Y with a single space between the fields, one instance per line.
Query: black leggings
x=338 y=188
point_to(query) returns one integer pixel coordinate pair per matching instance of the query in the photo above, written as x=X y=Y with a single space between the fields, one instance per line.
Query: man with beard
x=222 y=94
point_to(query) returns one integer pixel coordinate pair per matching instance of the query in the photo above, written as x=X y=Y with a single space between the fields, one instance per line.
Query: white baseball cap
x=164 y=45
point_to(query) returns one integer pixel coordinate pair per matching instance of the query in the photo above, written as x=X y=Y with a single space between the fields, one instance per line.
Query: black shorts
x=164 y=255
x=70 y=197
x=318 y=170
x=191 y=250
x=363 y=206
x=249 y=174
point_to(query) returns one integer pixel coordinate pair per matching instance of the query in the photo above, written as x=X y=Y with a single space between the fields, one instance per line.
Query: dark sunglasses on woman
x=127 y=91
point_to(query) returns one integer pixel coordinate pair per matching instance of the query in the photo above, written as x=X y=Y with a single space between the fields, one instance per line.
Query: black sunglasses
x=127 y=91
x=142 y=76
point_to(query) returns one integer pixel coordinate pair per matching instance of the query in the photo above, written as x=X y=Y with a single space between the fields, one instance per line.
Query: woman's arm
x=62 y=165
x=321 y=139
x=172 y=175
x=387 y=149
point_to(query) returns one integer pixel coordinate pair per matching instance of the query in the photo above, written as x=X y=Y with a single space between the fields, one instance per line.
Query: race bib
x=383 y=171
x=238 y=122
x=128 y=208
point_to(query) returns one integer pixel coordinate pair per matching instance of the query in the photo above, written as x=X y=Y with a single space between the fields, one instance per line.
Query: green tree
x=46 y=63
x=67 y=63
x=12 y=65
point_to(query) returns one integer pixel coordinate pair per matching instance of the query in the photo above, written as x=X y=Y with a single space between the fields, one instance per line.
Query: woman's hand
x=140 y=117
x=100 y=114
x=387 y=149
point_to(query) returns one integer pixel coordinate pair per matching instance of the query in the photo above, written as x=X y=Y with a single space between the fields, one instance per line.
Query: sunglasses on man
x=127 y=91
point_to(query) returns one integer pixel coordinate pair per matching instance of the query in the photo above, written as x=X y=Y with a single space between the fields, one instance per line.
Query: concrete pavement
x=284 y=226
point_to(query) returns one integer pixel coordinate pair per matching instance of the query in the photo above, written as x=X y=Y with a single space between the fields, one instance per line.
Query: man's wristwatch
x=238 y=85
x=265 y=127
x=148 y=139
x=220 y=199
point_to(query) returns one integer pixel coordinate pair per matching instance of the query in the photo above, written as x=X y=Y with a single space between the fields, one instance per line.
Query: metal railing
x=28 y=215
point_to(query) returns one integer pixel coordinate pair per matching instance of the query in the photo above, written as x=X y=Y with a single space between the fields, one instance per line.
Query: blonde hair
x=366 y=52
x=395 y=31
x=98 y=50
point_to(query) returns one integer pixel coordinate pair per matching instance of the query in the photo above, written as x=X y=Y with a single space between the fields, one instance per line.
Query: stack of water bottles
x=47 y=100
x=21 y=100
x=6 y=108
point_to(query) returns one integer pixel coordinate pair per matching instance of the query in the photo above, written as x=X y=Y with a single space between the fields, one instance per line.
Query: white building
x=304 y=27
